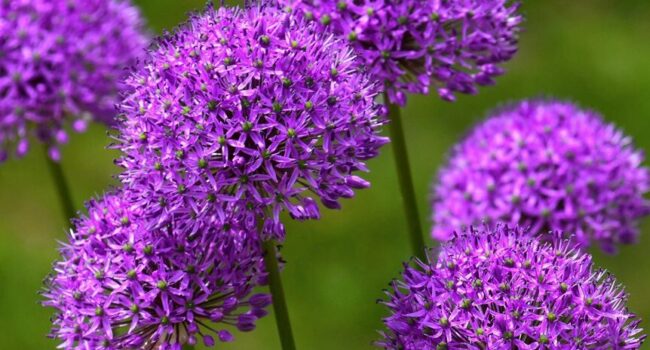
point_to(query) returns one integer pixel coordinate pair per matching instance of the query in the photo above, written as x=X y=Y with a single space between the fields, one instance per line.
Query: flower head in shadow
x=61 y=65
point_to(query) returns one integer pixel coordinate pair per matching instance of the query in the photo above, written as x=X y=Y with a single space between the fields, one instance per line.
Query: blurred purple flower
x=60 y=65
x=548 y=165
x=250 y=107
x=123 y=285
x=414 y=44
x=502 y=288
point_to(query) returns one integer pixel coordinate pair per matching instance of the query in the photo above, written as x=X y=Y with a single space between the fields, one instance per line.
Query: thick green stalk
x=277 y=292
x=398 y=143
x=67 y=208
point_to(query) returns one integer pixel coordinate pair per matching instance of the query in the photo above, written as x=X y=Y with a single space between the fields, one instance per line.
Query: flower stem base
x=398 y=143
x=277 y=292
x=67 y=208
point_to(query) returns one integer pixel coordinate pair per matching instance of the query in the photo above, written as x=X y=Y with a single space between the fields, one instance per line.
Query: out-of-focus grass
x=593 y=52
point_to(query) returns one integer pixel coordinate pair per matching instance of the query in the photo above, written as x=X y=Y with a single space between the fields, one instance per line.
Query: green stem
x=62 y=188
x=405 y=180
x=277 y=292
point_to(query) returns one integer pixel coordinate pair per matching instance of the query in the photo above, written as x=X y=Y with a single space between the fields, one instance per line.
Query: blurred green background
x=596 y=53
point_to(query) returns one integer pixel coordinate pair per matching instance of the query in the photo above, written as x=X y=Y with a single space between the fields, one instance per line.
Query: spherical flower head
x=252 y=107
x=61 y=63
x=122 y=285
x=548 y=165
x=412 y=45
x=503 y=288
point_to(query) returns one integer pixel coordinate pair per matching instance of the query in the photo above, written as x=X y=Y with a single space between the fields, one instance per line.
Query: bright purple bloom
x=250 y=107
x=413 y=45
x=502 y=288
x=123 y=285
x=548 y=165
x=60 y=66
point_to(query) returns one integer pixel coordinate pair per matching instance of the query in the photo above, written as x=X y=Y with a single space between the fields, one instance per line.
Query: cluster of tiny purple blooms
x=550 y=166
x=243 y=114
x=502 y=288
x=61 y=64
x=254 y=108
x=122 y=285
x=414 y=45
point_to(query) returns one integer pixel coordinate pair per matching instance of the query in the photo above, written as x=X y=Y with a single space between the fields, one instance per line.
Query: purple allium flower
x=60 y=65
x=251 y=107
x=121 y=285
x=548 y=165
x=414 y=44
x=502 y=288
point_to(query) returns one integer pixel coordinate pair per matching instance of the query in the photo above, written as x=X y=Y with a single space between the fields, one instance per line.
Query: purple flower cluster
x=60 y=64
x=501 y=288
x=253 y=108
x=414 y=44
x=122 y=285
x=548 y=165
